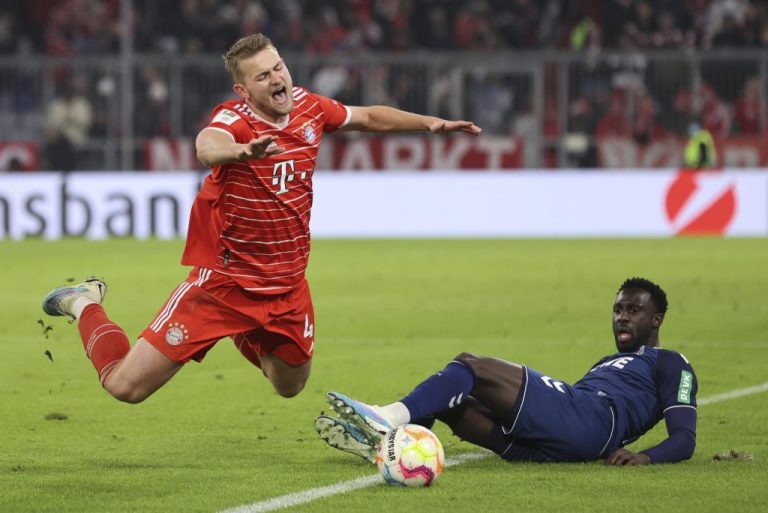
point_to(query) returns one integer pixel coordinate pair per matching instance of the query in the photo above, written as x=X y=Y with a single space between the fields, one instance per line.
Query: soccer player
x=523 y=415
x=248 y=237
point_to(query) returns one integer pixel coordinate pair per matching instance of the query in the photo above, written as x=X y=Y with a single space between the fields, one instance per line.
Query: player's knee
x=484 y=366
x=289 y=389
x=130 y=396
x=125 y=392
x=470 y=360
x=465 y=357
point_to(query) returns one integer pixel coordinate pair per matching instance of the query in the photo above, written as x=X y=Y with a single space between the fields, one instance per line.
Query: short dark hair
x=656 y=292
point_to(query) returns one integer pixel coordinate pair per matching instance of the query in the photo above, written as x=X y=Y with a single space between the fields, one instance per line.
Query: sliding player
x=521 y=414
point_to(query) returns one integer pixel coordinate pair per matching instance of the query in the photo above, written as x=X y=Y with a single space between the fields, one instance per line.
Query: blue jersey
x=642 y=386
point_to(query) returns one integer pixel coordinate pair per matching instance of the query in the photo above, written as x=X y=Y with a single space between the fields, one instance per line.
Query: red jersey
x=250 y=220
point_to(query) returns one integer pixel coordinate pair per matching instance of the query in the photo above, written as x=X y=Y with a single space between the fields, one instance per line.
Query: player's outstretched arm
x=379 y=118
x=679 y=446
x=215 y=147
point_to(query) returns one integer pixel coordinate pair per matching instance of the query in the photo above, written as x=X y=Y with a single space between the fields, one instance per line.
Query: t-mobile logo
x=283 y=173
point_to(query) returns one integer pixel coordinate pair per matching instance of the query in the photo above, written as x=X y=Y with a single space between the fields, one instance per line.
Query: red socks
x=105 y=342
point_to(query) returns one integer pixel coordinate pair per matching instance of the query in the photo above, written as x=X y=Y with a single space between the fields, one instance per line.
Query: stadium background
x=586 y=107
x=561 y=83
x=564 y=85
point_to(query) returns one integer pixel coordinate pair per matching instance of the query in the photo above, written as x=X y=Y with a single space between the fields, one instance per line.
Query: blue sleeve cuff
x=681 y=426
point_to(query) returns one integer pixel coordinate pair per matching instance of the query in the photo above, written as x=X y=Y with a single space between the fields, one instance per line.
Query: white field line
x=733 y=394
x=295 y=499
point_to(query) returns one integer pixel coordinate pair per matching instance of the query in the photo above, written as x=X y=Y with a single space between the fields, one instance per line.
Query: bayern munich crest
x=176 y=334
x=309 y=134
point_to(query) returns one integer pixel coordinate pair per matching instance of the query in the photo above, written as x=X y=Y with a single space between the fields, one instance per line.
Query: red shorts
x=209 y=306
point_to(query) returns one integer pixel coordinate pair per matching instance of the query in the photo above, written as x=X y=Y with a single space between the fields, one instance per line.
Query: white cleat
x=345 y=437
x=60 y=301
x=361 y=415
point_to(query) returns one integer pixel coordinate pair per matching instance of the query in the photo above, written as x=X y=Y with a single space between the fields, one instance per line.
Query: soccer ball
x=410 y=455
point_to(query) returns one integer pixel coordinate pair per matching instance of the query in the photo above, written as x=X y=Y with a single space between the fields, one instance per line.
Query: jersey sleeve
x=681 y=428
x=228 y=121
x=677 y=384
x=336 y=113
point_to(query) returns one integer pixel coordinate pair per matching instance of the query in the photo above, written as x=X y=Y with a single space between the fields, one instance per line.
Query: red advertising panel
x=19 y=156
x=423 y=153
x=371 y=153
x=663 y=152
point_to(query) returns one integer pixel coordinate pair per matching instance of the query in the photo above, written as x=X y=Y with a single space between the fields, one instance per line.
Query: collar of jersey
x=256 y=116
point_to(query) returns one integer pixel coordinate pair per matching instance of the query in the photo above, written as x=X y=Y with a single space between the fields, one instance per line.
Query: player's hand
x=625 y=457
x=442 y=126
x=259 y=148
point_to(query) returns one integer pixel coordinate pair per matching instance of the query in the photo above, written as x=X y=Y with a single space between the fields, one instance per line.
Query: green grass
x=388 y=314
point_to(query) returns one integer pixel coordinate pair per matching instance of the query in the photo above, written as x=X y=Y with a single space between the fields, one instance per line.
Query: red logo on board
x=701 y=203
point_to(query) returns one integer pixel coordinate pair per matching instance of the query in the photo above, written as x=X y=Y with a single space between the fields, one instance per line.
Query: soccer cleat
x=345 y=437
x=61 y=300
x=363 y=416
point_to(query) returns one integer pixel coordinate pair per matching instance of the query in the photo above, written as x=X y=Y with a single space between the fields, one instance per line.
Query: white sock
x=396 y=413
x=79 y=305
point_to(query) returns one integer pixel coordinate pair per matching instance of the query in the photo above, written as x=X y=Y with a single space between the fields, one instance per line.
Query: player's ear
x=657 y=320
x=241 y=91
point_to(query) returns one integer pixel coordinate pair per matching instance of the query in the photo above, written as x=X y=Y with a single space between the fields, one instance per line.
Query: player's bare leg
x=143 y=371
x=129 y=374
x=497 y=382
x=288 y=380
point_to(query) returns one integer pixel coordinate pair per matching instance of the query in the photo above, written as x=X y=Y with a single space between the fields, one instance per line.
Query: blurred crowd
x=76 y=27
x=626 y=93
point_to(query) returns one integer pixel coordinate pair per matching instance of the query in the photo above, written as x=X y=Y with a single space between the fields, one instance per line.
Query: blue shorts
x=556 y=422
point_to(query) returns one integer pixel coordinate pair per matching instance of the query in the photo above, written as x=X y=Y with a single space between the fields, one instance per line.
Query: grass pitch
x=389 y=313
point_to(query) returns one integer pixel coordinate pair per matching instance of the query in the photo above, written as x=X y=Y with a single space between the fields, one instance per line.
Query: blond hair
x=244 y=48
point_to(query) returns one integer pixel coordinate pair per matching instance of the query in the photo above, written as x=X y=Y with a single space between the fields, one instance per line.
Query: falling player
x=248 y=237
x=521 y=414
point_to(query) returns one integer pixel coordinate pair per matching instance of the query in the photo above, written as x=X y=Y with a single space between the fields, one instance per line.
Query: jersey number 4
x=283 y=173
x=309 y=328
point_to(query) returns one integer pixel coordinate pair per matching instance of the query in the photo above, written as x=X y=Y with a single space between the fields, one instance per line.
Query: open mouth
x=280 y=96
x=623 y=335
